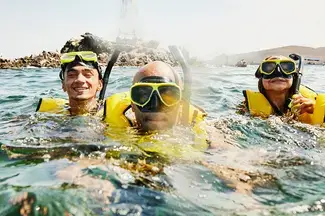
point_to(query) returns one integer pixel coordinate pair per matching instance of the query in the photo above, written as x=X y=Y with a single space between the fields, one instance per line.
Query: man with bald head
x=154 y=101
x=156 y=96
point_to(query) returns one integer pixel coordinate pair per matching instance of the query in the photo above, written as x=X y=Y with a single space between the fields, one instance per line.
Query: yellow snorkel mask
x=85 y=58
x=170 y=94
x=275 y=66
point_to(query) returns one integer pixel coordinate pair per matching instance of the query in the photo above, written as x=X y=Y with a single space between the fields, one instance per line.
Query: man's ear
x=63 y=87
x=132 y=107
x=100 y=86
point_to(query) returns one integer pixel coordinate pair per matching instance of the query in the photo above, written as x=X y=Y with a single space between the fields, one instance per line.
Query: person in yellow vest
x=81 y=78
x=276 y=94
x=155 y=97
x=154 y=103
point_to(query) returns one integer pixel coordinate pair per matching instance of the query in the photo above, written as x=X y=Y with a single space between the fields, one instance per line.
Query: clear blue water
x=48 y=155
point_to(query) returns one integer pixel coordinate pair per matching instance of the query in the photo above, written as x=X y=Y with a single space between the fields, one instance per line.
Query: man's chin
x=81 y=97
x=280 y=88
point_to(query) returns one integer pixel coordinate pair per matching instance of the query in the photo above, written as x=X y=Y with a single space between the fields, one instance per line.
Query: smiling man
x=81 y=79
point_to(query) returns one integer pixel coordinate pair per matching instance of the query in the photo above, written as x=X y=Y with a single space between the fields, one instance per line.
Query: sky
x=205 y=27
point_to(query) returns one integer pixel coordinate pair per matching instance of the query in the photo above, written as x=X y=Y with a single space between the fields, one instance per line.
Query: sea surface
x=59 y=165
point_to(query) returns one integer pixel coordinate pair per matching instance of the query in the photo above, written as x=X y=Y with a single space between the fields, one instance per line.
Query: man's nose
x=81 y=78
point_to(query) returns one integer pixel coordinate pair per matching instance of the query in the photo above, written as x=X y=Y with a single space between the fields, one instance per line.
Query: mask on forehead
x=78 y=61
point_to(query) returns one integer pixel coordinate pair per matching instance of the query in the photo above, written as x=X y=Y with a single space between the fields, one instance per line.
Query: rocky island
x=139 y=54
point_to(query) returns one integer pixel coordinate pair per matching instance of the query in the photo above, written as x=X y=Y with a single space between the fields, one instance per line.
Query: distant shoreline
x=142 y=55
x=255 y=57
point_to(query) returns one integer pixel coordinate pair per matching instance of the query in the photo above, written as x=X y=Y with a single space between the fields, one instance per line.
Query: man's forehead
x=79 y=66
x=155 y=79
x=167 y=74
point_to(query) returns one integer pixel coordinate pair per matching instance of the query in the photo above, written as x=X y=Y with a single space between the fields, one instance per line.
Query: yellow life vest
x=154 y=145
x=258 y=105
x=114 y=114
x=117 y=104
x=57 y=106
x=319 y=110
x=53 y=105
x=114 y=110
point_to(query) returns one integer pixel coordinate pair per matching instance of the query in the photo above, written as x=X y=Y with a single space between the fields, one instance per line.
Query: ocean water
x=55 y=165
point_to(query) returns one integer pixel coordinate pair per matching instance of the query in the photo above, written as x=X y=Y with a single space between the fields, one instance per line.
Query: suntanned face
x=81 y=83
x=280 y=82
x=160 y=117
x=277 y=84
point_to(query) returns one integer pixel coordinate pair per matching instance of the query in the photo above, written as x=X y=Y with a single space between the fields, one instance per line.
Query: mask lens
x=141 y=94
x=67 y=57
x=85 y=56
x=288 y=67
x=268 y=67
x=89 y=57
x=170 y=95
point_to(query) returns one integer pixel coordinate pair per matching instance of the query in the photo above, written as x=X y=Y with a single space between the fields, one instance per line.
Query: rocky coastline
x=139 y=54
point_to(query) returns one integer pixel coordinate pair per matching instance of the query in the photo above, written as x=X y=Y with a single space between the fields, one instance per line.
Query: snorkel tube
x=187 y=83
x=296 y=85
x=107 y=73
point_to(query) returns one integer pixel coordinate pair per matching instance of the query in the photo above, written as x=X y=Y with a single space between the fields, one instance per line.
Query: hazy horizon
x=207 y=28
